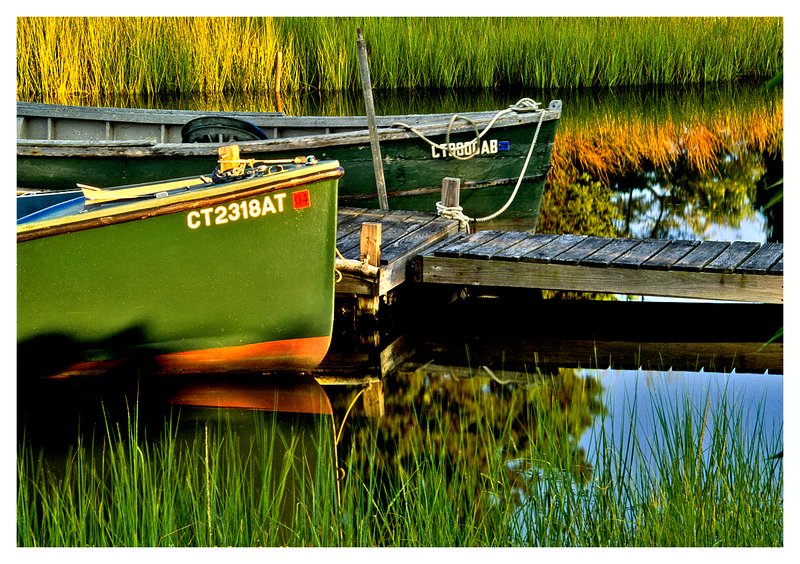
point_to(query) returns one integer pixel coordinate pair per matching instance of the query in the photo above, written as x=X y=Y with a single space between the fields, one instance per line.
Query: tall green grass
x=134 y=56
x=698 y=477
x=200 y=483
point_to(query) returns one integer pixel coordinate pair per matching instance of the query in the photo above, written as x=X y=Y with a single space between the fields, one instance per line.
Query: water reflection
x=660 y=163
x=475 y=420
x=634 y=398
x=560 y=449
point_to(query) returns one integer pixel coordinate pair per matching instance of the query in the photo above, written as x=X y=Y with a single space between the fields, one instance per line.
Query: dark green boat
x=226 y=272
x=501 y=157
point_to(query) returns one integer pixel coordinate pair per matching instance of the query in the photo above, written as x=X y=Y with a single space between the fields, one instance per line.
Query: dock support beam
x=373 y=400
x=370 y=253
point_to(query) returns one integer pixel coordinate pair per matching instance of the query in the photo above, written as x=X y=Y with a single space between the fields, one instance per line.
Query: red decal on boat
x=301 y=199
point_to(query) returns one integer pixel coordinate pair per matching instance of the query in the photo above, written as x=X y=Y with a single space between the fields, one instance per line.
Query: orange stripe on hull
x=294 y=355
x=291 y=354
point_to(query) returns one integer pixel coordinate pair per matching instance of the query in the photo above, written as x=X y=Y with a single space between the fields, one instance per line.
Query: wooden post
x=370 y=252
x=373 y=400
x=366 y=84
x=451 y=208
x=451 y=192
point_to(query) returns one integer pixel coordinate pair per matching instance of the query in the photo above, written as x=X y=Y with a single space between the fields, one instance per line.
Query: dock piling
x=370 y=254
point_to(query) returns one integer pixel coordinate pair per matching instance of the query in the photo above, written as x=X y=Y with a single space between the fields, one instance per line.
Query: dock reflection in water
x=472 y=387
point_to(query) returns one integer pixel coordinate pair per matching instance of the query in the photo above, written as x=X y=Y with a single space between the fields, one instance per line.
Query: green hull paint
x=170 y=283
x=412 y=173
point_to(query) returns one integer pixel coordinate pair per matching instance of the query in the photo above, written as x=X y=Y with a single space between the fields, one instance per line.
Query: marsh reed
x=61 y=56
x=699 y=475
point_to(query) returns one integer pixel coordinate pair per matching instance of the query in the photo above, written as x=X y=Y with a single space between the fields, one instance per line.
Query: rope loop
x=454 y=212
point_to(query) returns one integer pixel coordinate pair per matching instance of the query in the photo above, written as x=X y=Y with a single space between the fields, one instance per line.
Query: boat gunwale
x=154 y=116
x=148 y=147
x=178 y=203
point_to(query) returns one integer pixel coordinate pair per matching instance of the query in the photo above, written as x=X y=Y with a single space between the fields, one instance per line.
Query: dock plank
x=669 y=255
x=348 y=242
x=732 y=257
x=762 y=260
x=391 y=232
x=528 y=244
x=552 y=249
x=629 y=281
x=465 y=244
x=634 y=257
x=419 y=239
x=582 y=250
x=497 y=245
x=608 y=254
x=701 y=255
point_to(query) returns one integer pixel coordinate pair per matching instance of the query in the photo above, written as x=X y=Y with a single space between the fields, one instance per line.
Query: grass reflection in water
x=475 y=463
x=457 y=461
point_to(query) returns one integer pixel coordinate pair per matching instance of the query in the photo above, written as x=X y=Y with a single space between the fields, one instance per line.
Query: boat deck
x=424 y=248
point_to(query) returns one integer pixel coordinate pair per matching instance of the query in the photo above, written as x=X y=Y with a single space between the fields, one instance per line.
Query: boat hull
x=185 y=286
x=413 y=168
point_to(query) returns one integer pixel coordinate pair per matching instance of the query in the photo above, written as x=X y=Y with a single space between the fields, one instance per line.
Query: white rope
x=457 y=212
x=521 y=176
x=523 y=105
x=454 y=212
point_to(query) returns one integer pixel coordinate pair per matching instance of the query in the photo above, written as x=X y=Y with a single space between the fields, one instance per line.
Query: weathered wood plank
x=732 y=257
x=528 y=244
x=554 y=248
x=634 y=257
x=612 y=251
x=419 y=239
x=700 y=256
x=582 y=250
x=761 y=261
x=670 y=254
x=348 y=232
x=777 y=268
x=502 y=242
x=346 y=221
x=394 y=231
x=656 y=282
x=465 y=244
x=348 y=243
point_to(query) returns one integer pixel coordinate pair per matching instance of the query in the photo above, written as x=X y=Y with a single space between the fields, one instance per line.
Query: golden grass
x=612 y=144
x=59 y=56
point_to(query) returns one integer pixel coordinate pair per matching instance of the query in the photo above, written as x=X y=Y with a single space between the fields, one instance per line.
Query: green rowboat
x=226 y=272
x=501 y=157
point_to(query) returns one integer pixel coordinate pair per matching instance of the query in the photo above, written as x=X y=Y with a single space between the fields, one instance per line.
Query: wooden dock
x=376 y=248
x=712 y=270
x=383 y=250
